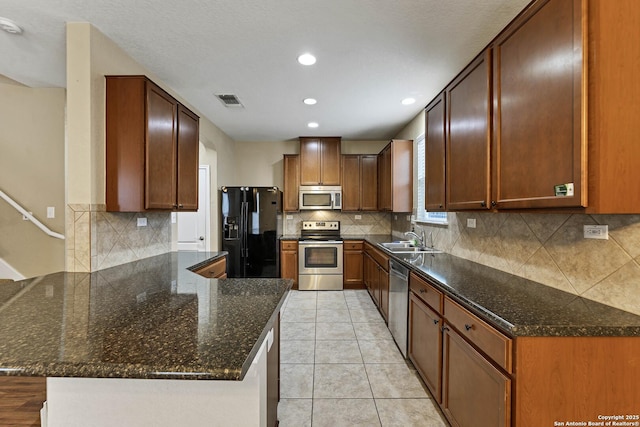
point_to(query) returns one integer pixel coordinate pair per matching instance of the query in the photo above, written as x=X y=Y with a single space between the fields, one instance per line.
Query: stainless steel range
x=320 y=251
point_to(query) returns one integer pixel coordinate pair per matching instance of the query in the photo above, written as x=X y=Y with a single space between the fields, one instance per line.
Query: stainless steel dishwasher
x=399 y=304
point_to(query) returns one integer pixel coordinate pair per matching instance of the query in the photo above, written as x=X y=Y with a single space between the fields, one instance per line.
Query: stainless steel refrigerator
x=251 y=225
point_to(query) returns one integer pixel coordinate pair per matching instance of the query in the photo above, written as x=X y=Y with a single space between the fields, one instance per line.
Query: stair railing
x=30 y=217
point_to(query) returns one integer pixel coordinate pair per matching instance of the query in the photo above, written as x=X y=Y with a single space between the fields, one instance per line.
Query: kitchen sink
x=407 y=247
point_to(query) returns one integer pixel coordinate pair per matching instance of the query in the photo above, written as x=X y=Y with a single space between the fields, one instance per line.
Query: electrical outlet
x=142 y=222
x=358 y=216
x=51 y=212
x=596 y=232
x=174 y=217
x=289 y=216
x=471 y=223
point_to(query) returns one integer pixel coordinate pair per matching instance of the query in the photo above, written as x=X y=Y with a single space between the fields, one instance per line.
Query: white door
x=193 y=230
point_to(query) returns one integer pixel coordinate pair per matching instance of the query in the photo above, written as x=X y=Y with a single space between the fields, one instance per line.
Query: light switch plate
x=142 y=222
x=596 y=232
x=358 y=216
x=51 y=212
x=289 y=216
x=471 y=223
x=174 y=217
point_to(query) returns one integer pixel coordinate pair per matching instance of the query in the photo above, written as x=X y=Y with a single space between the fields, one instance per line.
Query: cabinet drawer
x=351 y=245
x=216 y=269
x=289 y=245
x=426 y=292
x=482 y=335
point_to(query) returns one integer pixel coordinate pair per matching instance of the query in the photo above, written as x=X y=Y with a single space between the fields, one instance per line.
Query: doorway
x=193 y=227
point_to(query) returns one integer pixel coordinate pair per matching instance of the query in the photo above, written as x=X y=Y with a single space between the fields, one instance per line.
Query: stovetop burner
x=320 y=230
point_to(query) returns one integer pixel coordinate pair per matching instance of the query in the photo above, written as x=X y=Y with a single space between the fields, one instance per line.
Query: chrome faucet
x=418 y=238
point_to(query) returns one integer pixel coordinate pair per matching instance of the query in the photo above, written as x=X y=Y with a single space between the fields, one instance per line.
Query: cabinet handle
x=441 y=206
x=468 y=327
x=493 y=203
x=483 y=204
x=422 y=291
x=436 y=321
x=444 y=328
x=180 y=205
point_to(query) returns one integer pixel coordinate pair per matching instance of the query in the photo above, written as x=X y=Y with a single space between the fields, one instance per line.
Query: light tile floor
x=339 y=366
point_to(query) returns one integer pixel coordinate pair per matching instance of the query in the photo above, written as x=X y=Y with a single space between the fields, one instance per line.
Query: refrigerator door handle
x=245 y=230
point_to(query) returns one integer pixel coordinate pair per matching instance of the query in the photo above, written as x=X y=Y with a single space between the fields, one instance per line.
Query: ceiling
x=371 y=54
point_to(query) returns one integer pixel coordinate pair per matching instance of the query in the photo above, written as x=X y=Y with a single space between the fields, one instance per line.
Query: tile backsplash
x=368 y=223
x=97 y=239
x=550 y=249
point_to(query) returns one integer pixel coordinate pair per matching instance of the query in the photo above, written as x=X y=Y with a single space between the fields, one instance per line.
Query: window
x=421 y=214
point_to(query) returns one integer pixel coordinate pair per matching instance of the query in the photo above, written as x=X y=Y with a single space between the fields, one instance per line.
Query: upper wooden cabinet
x=291 y=182
x=320 y=161
x=538 y=90
x=395 y=176
x=434 y=148
x=468 y=138
x=151 y=148
x=359 y=182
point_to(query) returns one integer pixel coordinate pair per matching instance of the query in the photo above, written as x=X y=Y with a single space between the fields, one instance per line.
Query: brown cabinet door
x=474 y=392
x=350 y=182
x=384 y=179
x=160 y=178
x=469 y=137
x=188 y=162
x=289 y=263
x=538 y=137
x=368 y=183
x=425 y=344
x=330 y=161
x=310 y=169
x=291 y=182
x=434 y=147
x=353 y=269
x=383 y=285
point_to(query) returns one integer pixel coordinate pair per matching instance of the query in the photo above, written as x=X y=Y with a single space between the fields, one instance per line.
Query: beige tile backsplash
x=98 y=239
x=369 y=222
x=550 y=249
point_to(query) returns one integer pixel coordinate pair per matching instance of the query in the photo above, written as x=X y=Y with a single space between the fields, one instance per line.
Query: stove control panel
x=321 y=225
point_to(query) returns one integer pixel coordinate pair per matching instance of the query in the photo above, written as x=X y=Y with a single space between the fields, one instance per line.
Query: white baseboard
x=8 y=272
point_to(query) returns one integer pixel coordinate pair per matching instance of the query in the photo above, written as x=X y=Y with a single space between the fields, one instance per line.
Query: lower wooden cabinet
x=289 y=261
x=425 y=344
x=216 y=270
x=474 y=392
x=376 y=277
x=353 y=275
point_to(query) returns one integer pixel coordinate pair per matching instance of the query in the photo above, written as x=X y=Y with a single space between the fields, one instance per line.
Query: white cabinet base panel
x=108 y=402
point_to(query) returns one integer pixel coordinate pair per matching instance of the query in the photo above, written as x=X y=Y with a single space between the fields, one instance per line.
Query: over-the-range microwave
x=318 y=197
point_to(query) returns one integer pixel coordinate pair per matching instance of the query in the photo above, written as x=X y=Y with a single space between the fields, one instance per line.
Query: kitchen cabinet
x=320 y=160
x=353 y=254
x=359 y=182
x=435 y=146
x=539 y=141
x=468 y=137
x=151 y=148
x=291 y=190
x=289 y=261
x=377 y=277
x=425 y=333
x=215 y=270
x=395 y=176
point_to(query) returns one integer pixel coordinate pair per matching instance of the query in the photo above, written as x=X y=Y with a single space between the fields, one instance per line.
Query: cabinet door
x=353 y=269
x=434 y=161
x=383 y=286
x=350 y=182
x=310 y=169
x=384 y=179
x=538 y=137
x=289 y=262
x=188 y=145
x=468 y=136
x=160 y=150
x=291 y=182
x=475 y=393
x=368 y=183
x=425 y=344
x=330 y=161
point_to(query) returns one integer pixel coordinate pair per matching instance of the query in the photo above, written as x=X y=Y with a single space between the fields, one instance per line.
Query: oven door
x=320 y=257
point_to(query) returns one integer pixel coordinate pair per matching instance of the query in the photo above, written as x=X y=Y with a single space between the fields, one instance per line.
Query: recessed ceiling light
x=408 y=101
x=307 y=59
x=9 y=26
x=312 y=124
x=309 y=101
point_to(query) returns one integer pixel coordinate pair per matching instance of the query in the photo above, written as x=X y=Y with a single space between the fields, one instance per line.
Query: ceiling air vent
x=230 y=101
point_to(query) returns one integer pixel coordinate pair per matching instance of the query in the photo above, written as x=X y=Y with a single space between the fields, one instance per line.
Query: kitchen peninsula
x=125 y=345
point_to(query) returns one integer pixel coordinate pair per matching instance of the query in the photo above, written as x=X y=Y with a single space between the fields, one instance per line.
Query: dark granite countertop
x=151 y=318
x=515 y=305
